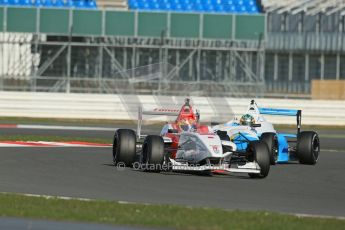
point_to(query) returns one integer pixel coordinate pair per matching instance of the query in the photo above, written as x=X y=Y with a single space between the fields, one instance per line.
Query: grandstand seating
x=90 y=4
x=210 y=6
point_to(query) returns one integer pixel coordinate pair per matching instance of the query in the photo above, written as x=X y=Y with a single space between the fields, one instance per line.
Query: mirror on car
x=172 y=131
x=223 y=135
x=214 y=123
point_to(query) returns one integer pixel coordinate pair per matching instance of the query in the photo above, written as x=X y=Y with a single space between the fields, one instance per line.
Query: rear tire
x=153 y=153
x=308 y=147
x=271 y=141
x=259 y=153
x=124 y=147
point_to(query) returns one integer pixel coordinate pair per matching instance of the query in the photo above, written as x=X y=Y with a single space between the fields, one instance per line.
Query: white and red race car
x=187 y=145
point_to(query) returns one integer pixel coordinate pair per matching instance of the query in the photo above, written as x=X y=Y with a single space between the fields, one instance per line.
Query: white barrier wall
x=125 y=107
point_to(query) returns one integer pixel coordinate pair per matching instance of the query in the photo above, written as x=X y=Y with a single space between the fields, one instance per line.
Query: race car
x=187 y=145
x=304 y=146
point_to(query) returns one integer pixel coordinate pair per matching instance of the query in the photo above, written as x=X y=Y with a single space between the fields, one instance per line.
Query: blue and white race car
x=304 y=146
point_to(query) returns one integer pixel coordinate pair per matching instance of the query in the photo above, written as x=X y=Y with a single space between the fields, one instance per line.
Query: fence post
x=69 y=51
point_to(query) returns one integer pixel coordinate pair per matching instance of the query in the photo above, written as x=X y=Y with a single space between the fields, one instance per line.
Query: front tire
x=152 y=158
x=124 y=147
x=272 y=143
x=308 y=147
x=259 y=153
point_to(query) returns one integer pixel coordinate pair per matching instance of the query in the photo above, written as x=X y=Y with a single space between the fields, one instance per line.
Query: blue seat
x=217 y=2
x=91 y=4
x=38 y=3
x=252 y=3
x=176 y=7
x=71 y=4
x=161 y=2
x=242 y=9
x=134 y=5
x=142 y=4
x=145 y=6
x=230 y=8
x=154 y=6
x=25 y=2
x=199 y=8
x=240 y=2
x=254 y=10
x=58 y=3
x=219 y=8
x=79 y=4
x=166 y=6
x=216 y=6
x=48 y=3
x=187 y=7
x=208 y=8
x=174 y=2
x=14 y=2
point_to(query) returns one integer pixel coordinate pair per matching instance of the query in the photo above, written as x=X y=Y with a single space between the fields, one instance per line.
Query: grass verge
x=170 y=216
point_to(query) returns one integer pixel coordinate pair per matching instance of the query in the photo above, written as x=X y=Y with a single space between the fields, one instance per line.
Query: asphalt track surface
x=89 y=173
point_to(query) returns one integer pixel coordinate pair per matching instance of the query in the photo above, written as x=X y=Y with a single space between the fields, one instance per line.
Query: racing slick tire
x=259 y=153
x=271 y=141
x=308 y=147
x=153 y=153
x=124 y=147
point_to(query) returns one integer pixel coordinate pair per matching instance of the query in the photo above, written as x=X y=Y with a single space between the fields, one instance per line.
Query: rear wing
x=155 y=111
x=282 y=112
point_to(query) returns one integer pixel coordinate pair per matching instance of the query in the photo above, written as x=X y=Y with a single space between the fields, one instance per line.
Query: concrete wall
x=125 y=107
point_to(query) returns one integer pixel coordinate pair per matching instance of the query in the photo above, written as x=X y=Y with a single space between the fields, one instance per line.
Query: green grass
x=53 y=138
x=170 y=216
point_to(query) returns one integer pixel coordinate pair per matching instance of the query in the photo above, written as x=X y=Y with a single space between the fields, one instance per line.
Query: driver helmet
x=186 y=109
x=185 y=125
x=247 y=119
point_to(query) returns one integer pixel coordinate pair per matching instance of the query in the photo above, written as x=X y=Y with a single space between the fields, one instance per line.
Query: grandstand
x=88 y=4
x=305 y=41
x=223 y=46
x=213 y=6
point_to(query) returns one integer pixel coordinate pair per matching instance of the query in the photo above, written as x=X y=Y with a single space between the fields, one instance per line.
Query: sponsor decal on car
x=215 y=148
x=166 y=110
